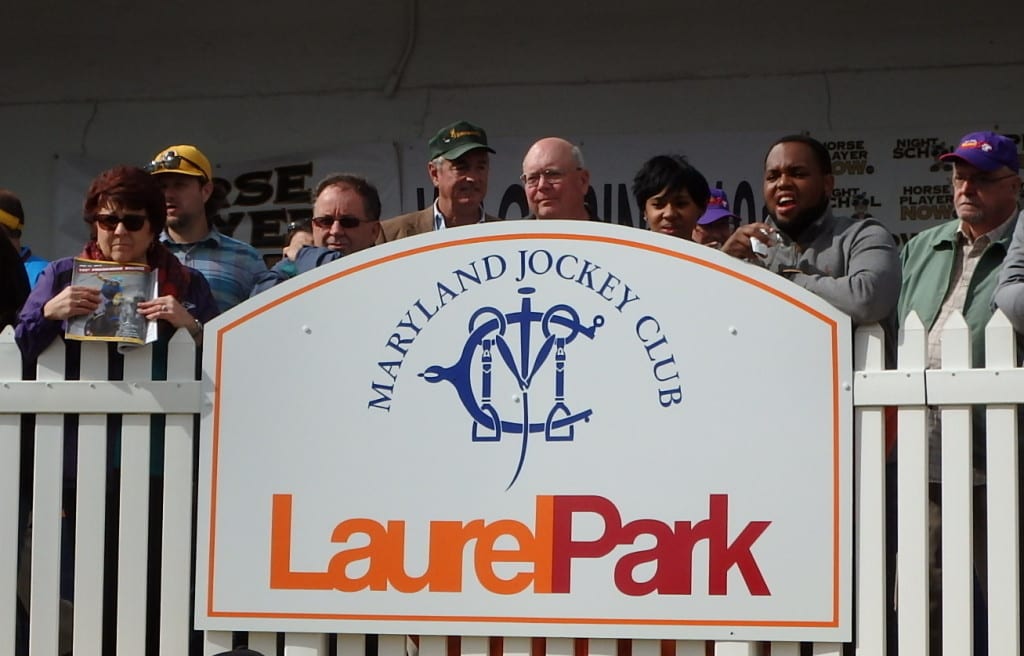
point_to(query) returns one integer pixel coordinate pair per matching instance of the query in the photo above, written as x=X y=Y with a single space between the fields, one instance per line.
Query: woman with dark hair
x=671 y=195
x=15 y=287
x=125 y=211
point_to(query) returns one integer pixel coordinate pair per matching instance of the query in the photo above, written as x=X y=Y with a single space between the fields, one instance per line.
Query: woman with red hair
x=125 y=211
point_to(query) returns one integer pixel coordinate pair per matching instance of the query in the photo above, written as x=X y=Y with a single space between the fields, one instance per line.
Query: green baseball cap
x=455 y=140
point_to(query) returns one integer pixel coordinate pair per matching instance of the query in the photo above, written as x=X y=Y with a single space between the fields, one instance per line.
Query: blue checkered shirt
x=229 y=265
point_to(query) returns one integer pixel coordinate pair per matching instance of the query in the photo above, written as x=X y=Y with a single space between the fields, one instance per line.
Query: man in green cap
x=459 y=165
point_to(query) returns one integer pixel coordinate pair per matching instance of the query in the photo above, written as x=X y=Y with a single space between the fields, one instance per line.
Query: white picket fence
x=999 y=386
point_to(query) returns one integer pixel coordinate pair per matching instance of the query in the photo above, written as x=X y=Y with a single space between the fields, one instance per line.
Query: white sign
x=531 y=428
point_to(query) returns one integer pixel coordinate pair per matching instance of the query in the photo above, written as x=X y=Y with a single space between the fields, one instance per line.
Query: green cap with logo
x=455 y=140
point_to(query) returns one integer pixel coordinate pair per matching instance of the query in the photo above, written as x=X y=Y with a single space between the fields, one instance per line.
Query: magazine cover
x=117 y=319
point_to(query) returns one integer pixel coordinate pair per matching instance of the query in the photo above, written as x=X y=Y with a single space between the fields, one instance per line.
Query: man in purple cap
x=717 y=224
x=955 y=267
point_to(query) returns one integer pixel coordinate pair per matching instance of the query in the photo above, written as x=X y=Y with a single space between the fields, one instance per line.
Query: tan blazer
x=414 y=223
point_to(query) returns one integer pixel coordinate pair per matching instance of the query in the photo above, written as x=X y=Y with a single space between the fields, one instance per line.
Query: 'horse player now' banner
x=531 y=428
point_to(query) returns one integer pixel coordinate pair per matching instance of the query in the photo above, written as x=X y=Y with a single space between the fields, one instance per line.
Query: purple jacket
x=34 y=333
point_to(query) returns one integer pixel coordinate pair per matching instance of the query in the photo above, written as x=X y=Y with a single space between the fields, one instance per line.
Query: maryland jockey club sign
x=531 y=428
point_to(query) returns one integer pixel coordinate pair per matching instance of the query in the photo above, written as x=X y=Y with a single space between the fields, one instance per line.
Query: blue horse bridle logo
x=489 y=333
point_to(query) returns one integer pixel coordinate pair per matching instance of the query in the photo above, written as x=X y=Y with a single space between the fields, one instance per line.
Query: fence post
x=10 y=465
x=912 y=501
x=133 y=520
x=957 y=498
x=869 y=492
x=91 y=511
x=47 y=483
x=1002 y=474
x=176 y=531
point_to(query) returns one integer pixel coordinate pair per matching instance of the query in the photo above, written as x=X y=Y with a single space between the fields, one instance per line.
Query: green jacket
x=927 y=269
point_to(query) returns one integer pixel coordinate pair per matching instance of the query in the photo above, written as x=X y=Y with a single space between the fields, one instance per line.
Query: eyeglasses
x=171 y=161
x=980 y=181
x=132 y=222
x=554 y=176
x=347 y=221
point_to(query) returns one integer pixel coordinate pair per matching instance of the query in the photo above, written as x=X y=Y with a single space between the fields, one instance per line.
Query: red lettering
x=722 y=556
x=564 y=548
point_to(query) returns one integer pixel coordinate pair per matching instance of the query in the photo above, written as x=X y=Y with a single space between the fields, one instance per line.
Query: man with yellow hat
x=12 y=222
x=229 y=265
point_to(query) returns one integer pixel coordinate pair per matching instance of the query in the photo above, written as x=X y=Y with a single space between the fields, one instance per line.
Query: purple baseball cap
x=986 y=150
x=718 y=208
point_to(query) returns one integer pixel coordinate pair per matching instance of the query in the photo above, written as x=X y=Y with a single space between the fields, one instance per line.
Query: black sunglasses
x=132 y=222
x=171 y=161
x=345 y=220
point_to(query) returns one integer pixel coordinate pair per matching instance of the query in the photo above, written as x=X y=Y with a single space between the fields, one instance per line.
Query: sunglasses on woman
x=132 y=222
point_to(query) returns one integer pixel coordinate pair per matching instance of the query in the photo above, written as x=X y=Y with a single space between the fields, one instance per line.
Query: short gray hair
x=577 y=156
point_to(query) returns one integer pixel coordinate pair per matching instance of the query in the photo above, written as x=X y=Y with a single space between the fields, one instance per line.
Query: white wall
x=247 y=80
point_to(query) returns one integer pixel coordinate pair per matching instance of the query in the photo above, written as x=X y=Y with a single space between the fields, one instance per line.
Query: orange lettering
x=486 y=555
x=376 y=576
x=281 y=575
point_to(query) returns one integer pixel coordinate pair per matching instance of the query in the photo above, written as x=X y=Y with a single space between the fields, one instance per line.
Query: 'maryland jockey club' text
x=546 y=551
x=531 y=264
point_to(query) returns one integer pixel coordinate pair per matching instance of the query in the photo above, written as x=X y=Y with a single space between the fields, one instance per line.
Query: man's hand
x=741 y=243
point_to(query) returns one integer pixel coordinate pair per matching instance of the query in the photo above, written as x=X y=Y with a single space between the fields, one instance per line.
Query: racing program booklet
x=117 y=319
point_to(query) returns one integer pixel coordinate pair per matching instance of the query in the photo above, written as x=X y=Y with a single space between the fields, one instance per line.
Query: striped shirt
x=229 y=265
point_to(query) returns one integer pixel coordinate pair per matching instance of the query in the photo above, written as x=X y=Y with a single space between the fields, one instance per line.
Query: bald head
x=555 y=180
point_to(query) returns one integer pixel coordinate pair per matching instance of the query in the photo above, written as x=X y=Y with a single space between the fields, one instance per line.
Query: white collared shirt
x=439 y=222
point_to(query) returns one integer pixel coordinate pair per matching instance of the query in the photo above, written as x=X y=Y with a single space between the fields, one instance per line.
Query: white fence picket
x=47 y=511
x=176 y=530
x=353 y=644
x=869 y=490
x=90 y=513
x=133 y=517
x=214 y=642
x=957 y=496
x=521 y=647
x=912 y=503
x=306 y=644
x=646 y=647
x=690 y=648
x=431 y=646
x=10 y=482
x=391 y=645
x=554 y=647
x=602 y=647
x=1002 y=503
x=726 y=648
x=264 y=642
